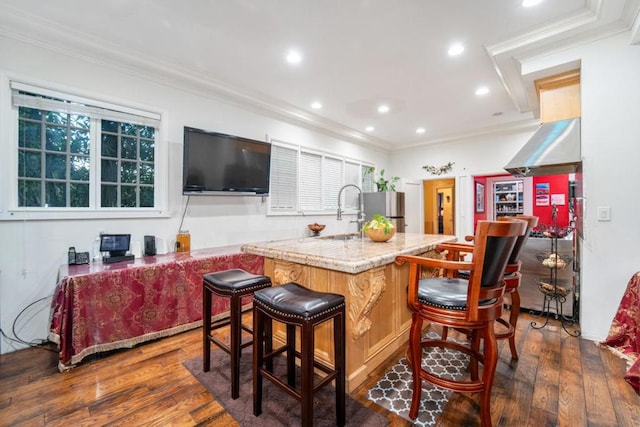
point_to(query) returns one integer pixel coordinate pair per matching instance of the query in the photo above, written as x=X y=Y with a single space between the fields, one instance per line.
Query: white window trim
x=323 y=154
x=10 y=211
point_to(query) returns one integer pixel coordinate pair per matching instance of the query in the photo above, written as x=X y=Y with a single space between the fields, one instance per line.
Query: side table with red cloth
x=624 y=334
x=101 y=307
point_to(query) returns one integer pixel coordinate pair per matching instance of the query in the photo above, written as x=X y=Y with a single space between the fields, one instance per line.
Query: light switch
x=604 y=213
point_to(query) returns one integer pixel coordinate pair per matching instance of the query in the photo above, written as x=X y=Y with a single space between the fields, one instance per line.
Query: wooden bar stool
x=232 y=284
x=295 y=305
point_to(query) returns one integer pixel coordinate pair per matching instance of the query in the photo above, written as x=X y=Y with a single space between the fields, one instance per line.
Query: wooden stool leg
x=291 y=355
x=236 y=341
x=513 y=321
x=259 y=340
x=339 y=360
x=306 y=368
x=206 y=329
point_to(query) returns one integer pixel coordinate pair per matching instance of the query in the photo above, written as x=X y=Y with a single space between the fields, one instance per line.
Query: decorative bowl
x=378 y=234
x=316 y=228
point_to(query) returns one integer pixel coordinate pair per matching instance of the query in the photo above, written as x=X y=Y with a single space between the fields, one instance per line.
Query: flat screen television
x=219 y=164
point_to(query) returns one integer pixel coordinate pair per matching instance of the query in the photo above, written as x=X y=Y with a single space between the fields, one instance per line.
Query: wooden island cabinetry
x=374 y=287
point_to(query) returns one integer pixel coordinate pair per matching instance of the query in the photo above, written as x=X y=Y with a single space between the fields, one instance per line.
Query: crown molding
x=511 y=127
x=51 y=36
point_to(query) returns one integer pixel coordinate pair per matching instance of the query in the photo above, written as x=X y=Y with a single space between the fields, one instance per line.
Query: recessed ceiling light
x=369 y=128
x=383 y=109
x=293 y=57
x=530 y=3
x=455 y=49
x=316 y=105
x=482 y=90
x=421 y=130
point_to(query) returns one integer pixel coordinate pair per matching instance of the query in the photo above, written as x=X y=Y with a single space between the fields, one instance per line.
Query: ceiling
x=356 y=55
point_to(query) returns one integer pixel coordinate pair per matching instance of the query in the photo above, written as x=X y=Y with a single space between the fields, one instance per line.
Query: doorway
x=439 y=206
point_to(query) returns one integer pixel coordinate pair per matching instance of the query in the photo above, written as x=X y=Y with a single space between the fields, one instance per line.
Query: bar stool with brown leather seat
x=233 y=284
x=295 y=305
x=512 y=278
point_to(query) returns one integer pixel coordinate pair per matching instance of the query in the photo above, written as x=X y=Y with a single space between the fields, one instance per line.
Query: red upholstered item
x=101 y=307
x=624 y=334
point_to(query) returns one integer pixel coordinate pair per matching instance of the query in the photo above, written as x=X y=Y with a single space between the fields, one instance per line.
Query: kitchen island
x=365 y=272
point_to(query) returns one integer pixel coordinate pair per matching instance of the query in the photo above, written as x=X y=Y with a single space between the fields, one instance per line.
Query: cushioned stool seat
x=232 y=284
x=295 y=305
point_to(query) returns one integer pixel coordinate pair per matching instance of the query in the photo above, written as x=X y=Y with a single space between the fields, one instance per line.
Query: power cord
x=37 y=343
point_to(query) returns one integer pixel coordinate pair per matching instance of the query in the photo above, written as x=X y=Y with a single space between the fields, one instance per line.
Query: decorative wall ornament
x=438 y=170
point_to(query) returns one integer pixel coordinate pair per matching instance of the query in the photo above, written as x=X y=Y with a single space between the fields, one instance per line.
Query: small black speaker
x=149 y=245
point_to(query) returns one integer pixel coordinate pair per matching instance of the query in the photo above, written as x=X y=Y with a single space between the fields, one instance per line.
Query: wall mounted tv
x=219 y=164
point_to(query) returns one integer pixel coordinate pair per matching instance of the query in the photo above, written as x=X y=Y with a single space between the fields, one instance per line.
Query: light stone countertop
x=349 y=256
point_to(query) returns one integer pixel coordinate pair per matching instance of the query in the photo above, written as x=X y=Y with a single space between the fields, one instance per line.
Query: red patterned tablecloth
x=624 y=334
x=101 y=307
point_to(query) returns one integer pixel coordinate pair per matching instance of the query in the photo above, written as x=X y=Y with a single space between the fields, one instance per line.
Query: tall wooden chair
x=512 y=278
x=472 y=304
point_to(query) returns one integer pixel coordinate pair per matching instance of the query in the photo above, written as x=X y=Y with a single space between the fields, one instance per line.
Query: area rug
x=278 y=408
x=393 y=391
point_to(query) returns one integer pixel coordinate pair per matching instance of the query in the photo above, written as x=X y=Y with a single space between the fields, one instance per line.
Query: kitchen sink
x=350 y=236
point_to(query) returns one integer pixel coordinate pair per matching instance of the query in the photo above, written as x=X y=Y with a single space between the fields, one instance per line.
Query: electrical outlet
x=604 y=213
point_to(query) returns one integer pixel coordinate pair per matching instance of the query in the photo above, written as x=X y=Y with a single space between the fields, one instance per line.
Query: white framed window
x=79 y=155
x=308 y=181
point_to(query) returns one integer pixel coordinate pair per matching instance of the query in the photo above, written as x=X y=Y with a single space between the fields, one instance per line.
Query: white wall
x=611 y=171
x=32 y=250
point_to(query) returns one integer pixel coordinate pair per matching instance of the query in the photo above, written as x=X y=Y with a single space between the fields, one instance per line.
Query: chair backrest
x=494 y=242
x=531 y=221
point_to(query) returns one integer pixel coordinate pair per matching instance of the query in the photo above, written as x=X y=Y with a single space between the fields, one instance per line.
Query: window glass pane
x=29 y=193
x=109 y=196
x=56 y=194
x=146 y=197
x=78 y=121
x=109 y=145
x=29 y=164
x=56 y=118
x=29 y=134
x=79 y=168
x=79 y=141
x=56 y=138
x=109 y=171
x=30 y=113
x=147 y=150
x=128 y=197
x=128 y=129
x=129 y=148
x=128 y=172
x=146 y=173
x=56 y=166
x=109 y=126
x=147 y=132
x=79 y=195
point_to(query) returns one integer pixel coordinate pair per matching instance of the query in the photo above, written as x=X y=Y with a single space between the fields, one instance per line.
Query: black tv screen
x=115 y=244
x=215 y=163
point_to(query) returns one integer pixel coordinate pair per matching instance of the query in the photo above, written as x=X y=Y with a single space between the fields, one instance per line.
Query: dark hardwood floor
x=558 y=381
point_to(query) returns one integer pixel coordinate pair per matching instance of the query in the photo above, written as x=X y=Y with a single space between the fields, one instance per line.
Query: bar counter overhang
x=374 y=286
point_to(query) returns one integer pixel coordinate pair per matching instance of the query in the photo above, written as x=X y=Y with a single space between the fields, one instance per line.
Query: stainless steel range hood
x=553 y=149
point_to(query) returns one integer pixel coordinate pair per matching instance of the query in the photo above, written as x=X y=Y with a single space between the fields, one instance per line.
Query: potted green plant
x=383 y=184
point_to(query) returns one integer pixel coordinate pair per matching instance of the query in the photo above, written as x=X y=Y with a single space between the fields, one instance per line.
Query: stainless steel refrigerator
x=387 y=203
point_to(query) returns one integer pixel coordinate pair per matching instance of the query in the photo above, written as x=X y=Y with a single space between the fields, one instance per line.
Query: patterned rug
x=393 y=391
